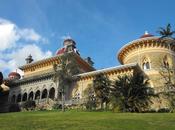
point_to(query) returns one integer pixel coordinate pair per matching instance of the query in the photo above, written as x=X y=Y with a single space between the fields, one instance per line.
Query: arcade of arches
x=38 y=95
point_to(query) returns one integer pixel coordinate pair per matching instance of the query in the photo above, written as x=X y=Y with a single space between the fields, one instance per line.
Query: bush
x=149 y=111
x=14 y=108
x=117 y=109
x=90 y=105
x=162 y=110
x=29 y=105
x=57 y=106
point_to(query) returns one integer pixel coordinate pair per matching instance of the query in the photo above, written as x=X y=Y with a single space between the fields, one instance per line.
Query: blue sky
x=100 y=27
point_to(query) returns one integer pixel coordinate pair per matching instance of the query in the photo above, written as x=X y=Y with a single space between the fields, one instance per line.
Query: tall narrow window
x=146 y=64
x=166 y=62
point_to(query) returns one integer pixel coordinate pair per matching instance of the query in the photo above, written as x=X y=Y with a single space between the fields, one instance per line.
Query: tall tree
x=167 y=36
x=101 y=84
x=63 y=74
x=167 y=71
x=131 y=93
x=166 y=32
x=90 y=100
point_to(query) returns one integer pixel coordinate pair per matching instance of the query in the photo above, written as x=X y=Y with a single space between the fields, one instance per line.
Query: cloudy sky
x=100 y=27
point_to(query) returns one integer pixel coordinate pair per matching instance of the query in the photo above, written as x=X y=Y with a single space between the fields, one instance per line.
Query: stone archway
x=13 y=99
x=52 y=93
x=31 y=95
x=24 y=97
x=19 y=98
x=44 y=94
x=37 y=95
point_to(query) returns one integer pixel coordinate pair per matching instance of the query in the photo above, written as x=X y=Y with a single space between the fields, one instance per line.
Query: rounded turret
x=14 y=75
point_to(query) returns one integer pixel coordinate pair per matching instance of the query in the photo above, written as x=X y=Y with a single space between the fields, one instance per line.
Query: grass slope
x=71 y=120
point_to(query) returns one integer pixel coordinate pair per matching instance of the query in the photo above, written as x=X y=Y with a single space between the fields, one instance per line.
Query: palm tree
x=166 y=32
x=101 y=85
x=131 y=93
x=167 y=36
x=63 y=74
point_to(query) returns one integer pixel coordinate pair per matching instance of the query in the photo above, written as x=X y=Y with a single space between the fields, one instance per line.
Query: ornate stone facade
x=37 y=83
x=147 y=54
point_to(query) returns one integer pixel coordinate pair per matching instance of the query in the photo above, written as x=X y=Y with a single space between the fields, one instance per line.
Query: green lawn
x=72 y=120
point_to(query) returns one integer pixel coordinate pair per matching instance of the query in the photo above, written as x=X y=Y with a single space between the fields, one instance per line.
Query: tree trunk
x=63 y=99
x=101 y=105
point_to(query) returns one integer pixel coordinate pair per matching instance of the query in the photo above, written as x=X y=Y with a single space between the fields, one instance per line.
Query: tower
x=69 y=45
x=29 y=59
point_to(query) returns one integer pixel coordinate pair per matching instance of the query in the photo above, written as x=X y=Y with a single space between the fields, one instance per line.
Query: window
x=146 y=64
x=166 y=62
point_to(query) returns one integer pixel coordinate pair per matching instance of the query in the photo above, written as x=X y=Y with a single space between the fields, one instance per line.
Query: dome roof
x=60 y=51
x=69 y=41
x=14 y=75
x=146 y=35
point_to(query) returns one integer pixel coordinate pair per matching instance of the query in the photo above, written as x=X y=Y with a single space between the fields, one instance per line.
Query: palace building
x=146 y=54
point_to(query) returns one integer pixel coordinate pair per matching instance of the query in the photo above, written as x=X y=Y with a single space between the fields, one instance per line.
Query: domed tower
x=152 y=55
x=69 y=45
x=156 y=58
x=14 y=76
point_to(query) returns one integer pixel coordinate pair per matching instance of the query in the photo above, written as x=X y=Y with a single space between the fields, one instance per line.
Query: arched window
x=37 y=95
x=24 y=98
x=146 y=64
x=19 y=98
x=44 y=94
x=52 y=93
x=166 y=62
x=31 y=96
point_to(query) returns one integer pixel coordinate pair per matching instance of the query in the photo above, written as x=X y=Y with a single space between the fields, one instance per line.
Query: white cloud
x=11 y=54
x=11 y=33
x=23 y=52
x=8 y=35
x=29 y=35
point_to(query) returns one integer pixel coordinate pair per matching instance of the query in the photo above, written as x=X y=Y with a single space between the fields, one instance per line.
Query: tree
x=167 y=71
x=166 y=32
x=63 y=74
x=101 y=85
x=131 y=93
x=29 y=105
x=90 y=100
x=167 y=74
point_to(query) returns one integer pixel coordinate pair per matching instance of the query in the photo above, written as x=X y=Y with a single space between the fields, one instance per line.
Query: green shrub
x=90 y=105
x=116 y=109
x=162 y=110
x=57 y=106
x=29 y=105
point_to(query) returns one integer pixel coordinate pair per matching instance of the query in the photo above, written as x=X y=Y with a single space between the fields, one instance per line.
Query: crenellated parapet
x=139 y=46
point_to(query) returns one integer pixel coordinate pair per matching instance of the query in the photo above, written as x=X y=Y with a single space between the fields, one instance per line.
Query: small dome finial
x=146 y=33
